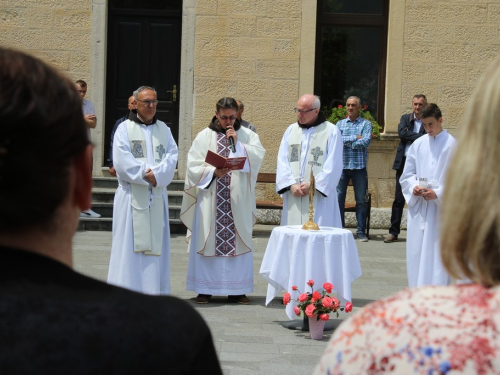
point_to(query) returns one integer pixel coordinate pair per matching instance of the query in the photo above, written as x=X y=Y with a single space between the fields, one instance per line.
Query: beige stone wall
x=262 y=52
x=56 y=31
x=440 y=49
x=249 y=50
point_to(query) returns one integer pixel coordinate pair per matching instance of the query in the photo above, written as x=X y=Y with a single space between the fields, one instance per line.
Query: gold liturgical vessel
x=311 y=225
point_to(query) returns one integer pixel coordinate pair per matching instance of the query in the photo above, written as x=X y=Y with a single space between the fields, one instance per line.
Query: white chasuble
x=147 y=201
x=298 y=207
x=210 y=269
x=427 y=160
x=200 y=192
x=318 y=149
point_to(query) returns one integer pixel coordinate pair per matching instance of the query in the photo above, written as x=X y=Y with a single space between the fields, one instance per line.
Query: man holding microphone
x=218 y=208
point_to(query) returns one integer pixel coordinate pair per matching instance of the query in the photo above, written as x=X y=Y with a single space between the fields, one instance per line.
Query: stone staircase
x=103 y=193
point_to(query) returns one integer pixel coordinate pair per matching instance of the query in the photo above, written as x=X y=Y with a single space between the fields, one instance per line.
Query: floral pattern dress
x=430 y=330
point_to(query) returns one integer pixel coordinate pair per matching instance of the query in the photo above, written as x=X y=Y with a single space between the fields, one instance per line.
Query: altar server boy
x=422 y=183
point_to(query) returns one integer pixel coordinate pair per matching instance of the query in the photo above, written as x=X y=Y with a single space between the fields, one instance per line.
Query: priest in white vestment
x=218 y=208
x=422 y=184
x=144 y=157
x=310 y=143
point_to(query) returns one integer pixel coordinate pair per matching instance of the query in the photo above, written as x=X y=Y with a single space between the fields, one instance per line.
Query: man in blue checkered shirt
x=356 y=135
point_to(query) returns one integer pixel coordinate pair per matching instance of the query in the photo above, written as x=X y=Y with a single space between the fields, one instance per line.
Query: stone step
x=105 y=209
x=105 y=195
x=112 y=183
x=106 y=224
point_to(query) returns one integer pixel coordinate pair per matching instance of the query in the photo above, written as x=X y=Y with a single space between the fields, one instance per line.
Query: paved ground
x=249 y=339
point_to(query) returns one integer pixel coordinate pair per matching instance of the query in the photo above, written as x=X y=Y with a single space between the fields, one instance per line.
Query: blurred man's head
x=241 y=109
x=307 y=109
x=81 y=87
x=353 y=105
x=146 y=100
x=132 y=104
x=432 y=119
x=226 y=111
x=42 y=136
x=417 y=104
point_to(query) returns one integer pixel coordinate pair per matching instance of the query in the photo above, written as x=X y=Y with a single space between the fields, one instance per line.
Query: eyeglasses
x=147 y=103
x=224 y=118
x=303 y=111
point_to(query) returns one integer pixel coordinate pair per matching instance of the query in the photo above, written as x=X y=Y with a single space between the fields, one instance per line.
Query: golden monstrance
x=311 y=225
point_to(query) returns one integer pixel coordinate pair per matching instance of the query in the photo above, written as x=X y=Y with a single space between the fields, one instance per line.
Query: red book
x=219 y=161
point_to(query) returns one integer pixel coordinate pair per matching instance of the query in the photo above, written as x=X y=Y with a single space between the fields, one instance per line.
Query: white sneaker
x=89 y=213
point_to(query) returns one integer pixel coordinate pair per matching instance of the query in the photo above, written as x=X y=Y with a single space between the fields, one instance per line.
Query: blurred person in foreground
x=54 y=320
x=443 y=329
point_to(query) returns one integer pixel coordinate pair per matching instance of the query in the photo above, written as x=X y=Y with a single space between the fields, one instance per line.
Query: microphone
x=231 y=142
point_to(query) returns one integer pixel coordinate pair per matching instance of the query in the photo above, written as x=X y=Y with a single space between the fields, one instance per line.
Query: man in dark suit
x=409 y=129
x=132 y=104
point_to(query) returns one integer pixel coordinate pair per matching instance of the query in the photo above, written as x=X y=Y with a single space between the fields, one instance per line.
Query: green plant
x=340 y=112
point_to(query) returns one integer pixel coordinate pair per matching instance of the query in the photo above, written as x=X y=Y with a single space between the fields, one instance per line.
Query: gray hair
x=355 y=97
x=316 y=102
x=142 y=88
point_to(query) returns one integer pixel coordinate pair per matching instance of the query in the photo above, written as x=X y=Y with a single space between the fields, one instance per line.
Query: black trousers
x=398 y=204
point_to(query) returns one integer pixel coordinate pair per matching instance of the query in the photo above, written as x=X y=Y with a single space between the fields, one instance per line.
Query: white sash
x=147 y=202
x=298 y=207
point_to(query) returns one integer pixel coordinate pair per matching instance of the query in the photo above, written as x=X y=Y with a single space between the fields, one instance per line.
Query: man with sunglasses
x=310 y=144
x=144 y=157
x=218 y=208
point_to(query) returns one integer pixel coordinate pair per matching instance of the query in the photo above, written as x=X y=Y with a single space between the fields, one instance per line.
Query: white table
x=294 y=256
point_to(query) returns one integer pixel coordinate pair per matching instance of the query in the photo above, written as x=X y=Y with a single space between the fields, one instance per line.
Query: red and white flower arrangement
x=316 y=303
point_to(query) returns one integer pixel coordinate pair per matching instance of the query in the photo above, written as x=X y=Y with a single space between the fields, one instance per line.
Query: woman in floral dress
x=444 y=329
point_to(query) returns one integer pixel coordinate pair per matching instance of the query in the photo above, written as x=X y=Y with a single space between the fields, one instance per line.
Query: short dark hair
x=41 y=131
x=226 y=103
x=82 y=83
x=430 y=110
x=420 y=96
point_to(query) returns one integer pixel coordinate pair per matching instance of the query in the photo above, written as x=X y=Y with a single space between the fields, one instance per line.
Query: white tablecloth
x=294 y=256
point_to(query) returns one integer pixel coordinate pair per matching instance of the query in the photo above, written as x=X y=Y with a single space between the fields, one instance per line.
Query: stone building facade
x=262 y=52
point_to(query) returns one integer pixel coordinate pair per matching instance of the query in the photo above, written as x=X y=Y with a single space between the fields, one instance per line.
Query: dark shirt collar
x=215 y=126
x=133 y=117
x=319 y=120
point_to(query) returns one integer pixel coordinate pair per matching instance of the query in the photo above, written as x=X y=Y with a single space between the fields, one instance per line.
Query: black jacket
x=54 y=320
x=406 y=133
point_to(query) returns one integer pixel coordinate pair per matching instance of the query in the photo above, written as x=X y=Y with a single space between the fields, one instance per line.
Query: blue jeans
x=359 y=179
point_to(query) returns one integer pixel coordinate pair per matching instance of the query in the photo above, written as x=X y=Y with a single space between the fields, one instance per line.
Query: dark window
x=356 y=7
x=351 y=53
x=146 y=4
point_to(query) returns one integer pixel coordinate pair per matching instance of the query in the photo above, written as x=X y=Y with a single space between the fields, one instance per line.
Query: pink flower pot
x=316 y=328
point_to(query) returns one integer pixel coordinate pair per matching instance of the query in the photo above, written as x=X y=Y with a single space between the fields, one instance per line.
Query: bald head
x=132 y=104
x=309 y=100
x=307 y=109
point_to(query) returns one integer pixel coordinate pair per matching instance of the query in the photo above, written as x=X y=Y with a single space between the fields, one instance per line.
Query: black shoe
x=202 y=298
x=241 y=299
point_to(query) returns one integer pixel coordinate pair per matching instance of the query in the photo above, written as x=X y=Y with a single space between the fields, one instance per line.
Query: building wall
x=56 y=31
x=251 y=50
x=262 y=52
x=440 y=49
